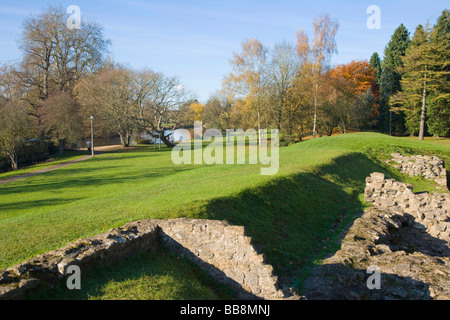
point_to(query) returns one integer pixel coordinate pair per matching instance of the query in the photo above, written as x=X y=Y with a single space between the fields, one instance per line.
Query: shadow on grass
x=153 y=275
x=19 y=205
x=298 y=220
x=52 y=180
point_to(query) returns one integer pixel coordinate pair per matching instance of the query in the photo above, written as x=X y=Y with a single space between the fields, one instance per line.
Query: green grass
x=296 y=216
x=69 y=155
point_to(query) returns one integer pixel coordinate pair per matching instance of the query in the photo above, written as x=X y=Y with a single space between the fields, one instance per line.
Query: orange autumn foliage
x=356 y=78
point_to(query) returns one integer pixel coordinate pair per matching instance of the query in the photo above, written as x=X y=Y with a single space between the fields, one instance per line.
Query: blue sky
x=194 y=39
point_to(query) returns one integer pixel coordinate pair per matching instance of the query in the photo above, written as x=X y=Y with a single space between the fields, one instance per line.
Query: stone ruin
x=222 y=250
x=405 y=236
x=429 y=167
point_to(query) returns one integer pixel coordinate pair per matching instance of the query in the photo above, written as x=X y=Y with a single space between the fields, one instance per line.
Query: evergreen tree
x=424 y=79
x=375 y=63
x=438 y=121
x=390 y=80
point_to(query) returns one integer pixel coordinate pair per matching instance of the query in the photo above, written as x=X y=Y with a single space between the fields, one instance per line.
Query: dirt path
x=98 y=150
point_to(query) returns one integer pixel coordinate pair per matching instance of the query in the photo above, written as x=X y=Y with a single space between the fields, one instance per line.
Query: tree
x=375 y=63
x=438 y=121
x=350 y=99
x=62 y=119
x=390 y=79
x=317 y=55
x=14 y=130
x=55 y=57
x=218 y=112
x=297 y=109
x=143 y=85
x=282 y=70
x=246 y=82
x=165 y=96
x=197 y=109
x=185 y=115
x=108 y=96
x=422 y=74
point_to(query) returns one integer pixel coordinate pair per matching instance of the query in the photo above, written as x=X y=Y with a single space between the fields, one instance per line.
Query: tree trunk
x=14 y=162
x=61 y=147
x=125 y=139
x=424 y=106
x=122 y=140
x=390 y=122
x=280 y=114
x=315 y=110
x=166 y=141
x=159 y=134
x=259 y=129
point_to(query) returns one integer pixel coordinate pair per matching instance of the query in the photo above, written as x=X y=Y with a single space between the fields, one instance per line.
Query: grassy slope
x=295 y=216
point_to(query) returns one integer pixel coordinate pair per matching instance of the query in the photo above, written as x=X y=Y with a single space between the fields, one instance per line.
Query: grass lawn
x=296 y=216
x=69 y=155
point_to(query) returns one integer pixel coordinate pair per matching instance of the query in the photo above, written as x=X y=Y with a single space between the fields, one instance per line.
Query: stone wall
x=224 y=251
x=404 y=235
x=431 y=212
x=429 y=167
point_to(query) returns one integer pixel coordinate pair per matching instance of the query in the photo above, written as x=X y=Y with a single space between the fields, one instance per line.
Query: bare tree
x=61 y=55
x=281 y=73
x=108 y=96
x=54 y=57
x=157 y=97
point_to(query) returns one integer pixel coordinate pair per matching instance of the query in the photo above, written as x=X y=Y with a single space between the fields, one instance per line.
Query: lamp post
x=92 y=135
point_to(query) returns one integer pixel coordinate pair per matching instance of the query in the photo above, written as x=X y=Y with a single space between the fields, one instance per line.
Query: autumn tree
x=316 y=56
x=185 y=115
x=197 y=109
x=350 y=100
x=246 y=81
